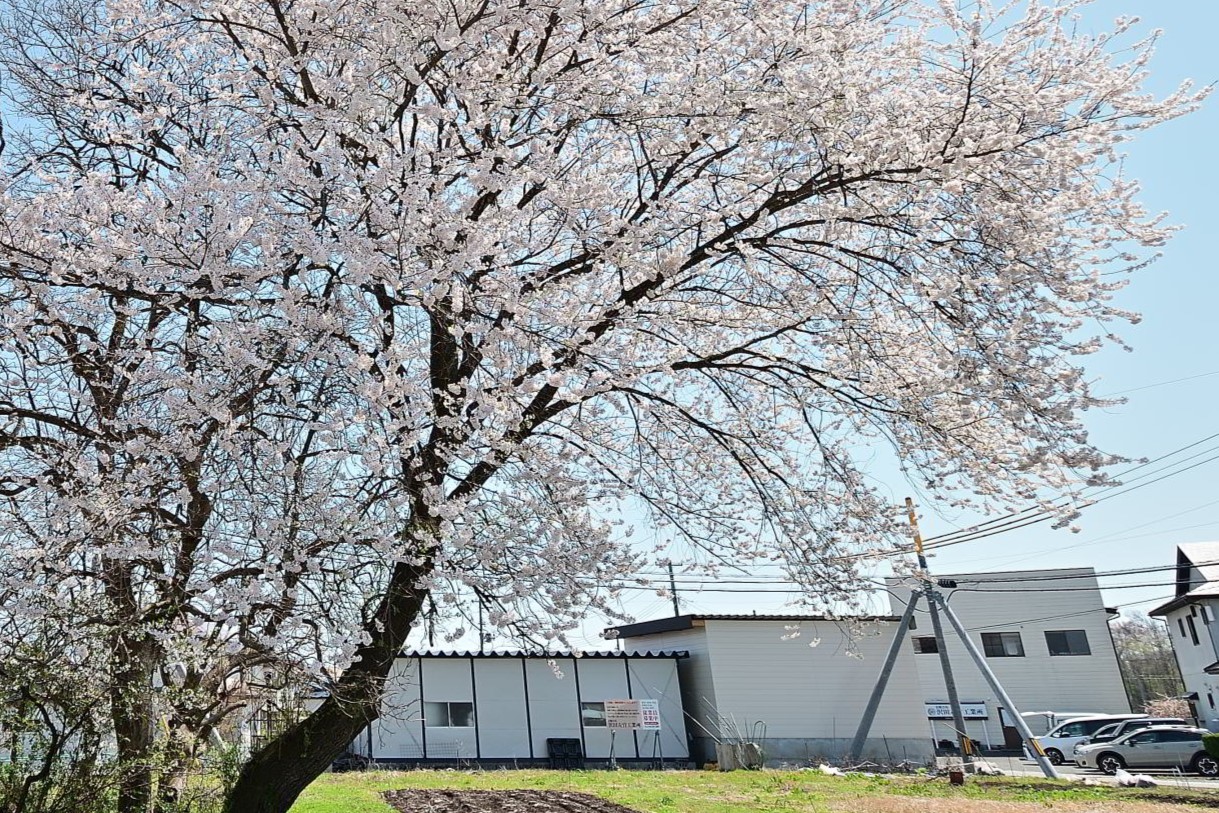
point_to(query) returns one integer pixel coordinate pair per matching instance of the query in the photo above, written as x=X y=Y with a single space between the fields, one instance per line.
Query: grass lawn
x=761 y=791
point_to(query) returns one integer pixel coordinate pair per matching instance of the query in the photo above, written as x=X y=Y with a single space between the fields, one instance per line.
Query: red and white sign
x=650 y=715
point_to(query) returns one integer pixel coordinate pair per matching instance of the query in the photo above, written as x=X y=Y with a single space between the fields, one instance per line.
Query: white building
x=1191 y=618
x=504 y=707
x=747 y=677
x=1045 y=635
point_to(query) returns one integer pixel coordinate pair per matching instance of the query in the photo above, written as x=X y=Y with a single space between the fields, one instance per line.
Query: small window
x=448 y=715
x=592 y=715
x=926 y=645
x=1210 y=698
x=1181 y=625
x=1002 y=645
x=1067 y=642
x=1193 y=629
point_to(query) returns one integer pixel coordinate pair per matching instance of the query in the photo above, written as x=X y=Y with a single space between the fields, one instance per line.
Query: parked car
x=1154 y=747
x=1062 y=740
x=1114 y=730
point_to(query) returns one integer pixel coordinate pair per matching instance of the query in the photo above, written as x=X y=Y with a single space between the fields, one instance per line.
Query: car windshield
x=1107 y=731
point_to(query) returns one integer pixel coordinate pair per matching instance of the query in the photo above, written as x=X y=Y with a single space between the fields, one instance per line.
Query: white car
x=1156 y=747
x=1061 y=741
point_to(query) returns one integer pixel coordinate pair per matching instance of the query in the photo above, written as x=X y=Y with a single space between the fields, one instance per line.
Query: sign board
x=623 y=715
x=943 y=711
x=650 y=715
x=632 y=715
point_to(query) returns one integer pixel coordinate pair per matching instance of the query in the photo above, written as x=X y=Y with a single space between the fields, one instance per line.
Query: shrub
x=1211 y=743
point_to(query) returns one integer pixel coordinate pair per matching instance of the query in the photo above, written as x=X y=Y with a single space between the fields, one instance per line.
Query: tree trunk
x=131 y=711
x=276 y=775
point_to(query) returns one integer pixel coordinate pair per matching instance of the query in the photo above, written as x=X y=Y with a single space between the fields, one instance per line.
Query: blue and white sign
x=943 y=711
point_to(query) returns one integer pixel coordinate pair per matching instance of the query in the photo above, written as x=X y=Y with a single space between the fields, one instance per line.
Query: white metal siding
x=656 y=678
x=553 y=709
x=449 y=680
x=604 y=679
x=799 y=691
x=398 y=732
x=503 y=730
x=697 y=682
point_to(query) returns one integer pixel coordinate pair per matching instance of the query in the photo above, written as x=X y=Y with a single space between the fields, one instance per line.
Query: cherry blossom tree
x=427 y=298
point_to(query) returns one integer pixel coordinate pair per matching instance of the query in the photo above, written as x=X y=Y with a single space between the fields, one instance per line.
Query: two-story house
x=1192 y=625
x=1045 y=635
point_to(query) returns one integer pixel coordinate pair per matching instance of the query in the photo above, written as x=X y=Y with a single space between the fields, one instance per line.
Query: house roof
x=540 y=653
x=685 y=622
x=1203 y=557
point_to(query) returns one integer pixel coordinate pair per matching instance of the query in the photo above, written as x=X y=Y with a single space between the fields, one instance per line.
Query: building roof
x=685 y=622
x=540 y=653
x=1200 y=556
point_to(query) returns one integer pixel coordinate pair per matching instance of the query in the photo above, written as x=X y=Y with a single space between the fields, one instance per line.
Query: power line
x=1067 y=589
x=1100 y=575
x=1032 y=516
x=1032 y=510
x=1162 y=383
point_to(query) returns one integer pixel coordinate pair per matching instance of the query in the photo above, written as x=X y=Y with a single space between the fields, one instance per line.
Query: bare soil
x=499 y=801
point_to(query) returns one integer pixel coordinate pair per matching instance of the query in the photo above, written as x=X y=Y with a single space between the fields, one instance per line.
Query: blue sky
x=1177 y=297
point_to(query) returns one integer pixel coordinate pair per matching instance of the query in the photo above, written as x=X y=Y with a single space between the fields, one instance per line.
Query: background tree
x=523 y=269
x=1149 y=667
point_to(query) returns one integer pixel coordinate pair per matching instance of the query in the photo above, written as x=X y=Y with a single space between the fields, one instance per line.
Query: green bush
x=1211 y=743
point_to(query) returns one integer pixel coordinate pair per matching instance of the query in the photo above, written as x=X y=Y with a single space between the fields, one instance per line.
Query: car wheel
x=1206 y=765
x=1110 y=763
x=1054 y=756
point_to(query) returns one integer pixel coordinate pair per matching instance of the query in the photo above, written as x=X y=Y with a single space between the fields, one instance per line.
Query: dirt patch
x=499 y=801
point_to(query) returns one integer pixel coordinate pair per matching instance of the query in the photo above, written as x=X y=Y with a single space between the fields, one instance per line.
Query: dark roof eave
x=565 y=654
x=685 y=622
x=1176 y=604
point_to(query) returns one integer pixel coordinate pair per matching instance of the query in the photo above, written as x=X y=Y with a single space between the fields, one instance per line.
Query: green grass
x=713 y=792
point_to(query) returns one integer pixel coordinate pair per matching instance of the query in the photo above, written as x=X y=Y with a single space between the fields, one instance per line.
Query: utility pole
x=673 y=591
x=936 y=604
x=933 y=599
x=878 y=691
x=1034 y=747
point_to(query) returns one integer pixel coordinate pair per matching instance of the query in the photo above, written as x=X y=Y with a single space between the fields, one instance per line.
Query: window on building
x=1181 y=626
x=925 y=645
x=1067 y=642
x=1002 y=645
x=448 y=715
x=1193 y=629
x=1210 y=698
x=592 y=715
